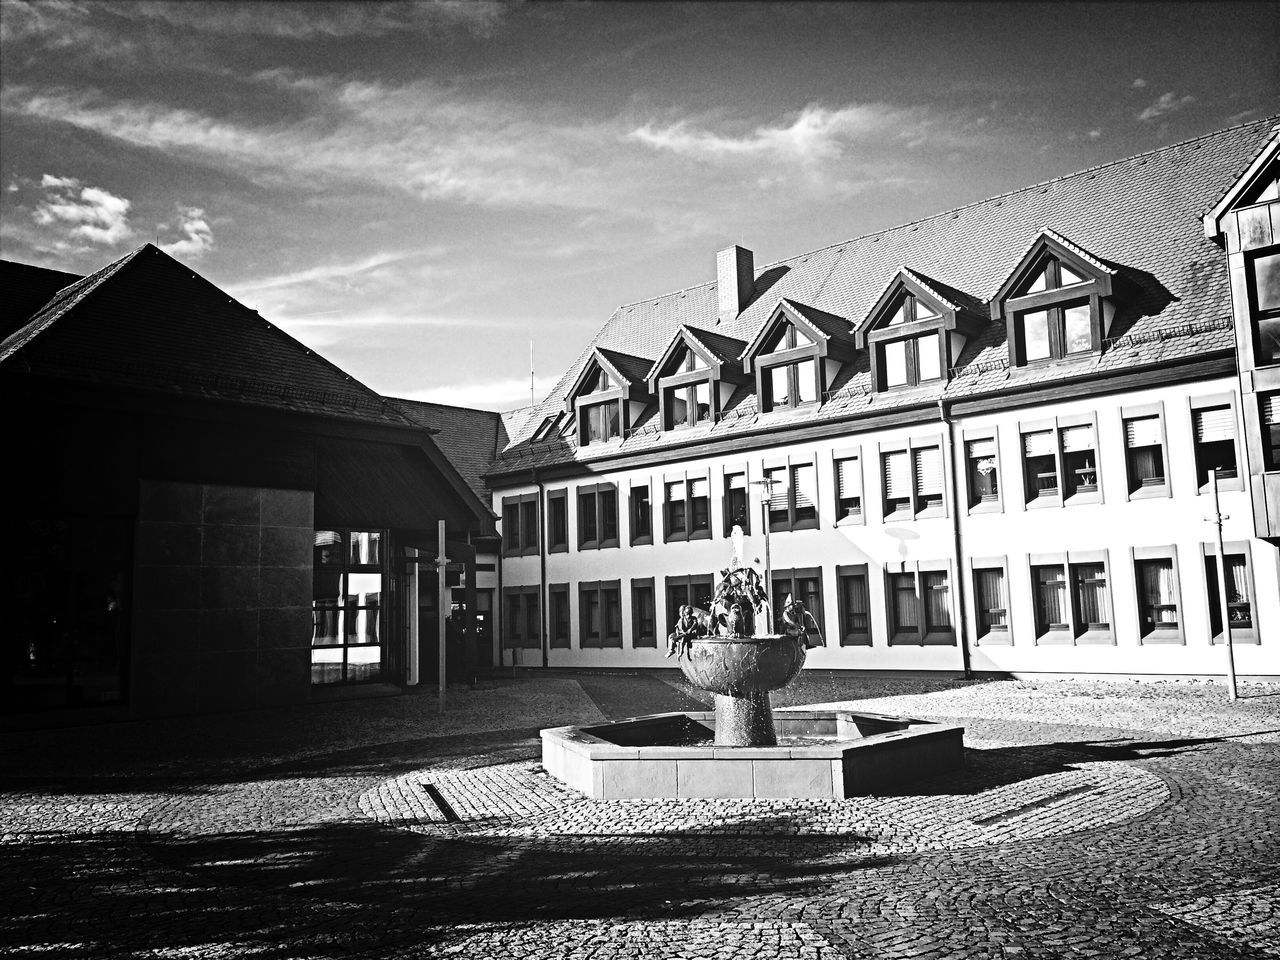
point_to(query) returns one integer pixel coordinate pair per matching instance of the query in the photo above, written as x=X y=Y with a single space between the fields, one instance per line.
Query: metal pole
x=442 y=581
x=411 y=600
x=1222 y=586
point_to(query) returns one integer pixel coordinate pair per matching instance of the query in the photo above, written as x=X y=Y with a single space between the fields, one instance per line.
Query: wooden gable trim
x=1087 y=266
x=1213 y=219
x=682 y=338
x=784 y=312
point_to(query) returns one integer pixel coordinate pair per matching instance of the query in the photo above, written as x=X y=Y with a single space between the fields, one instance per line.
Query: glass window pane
x=937 y=605
x=928 y=360
x=1040 y=281
x=1269 y=340
x=366 y=547
x=1091 y=595
x=1078 y=332
x=1266 y=281
x=895 y=363
x=1069 y=276
x=779 y=390
x=677 y=407
x=1035 y=335
x=899 y=315
x=806 y=382
x=328 y=548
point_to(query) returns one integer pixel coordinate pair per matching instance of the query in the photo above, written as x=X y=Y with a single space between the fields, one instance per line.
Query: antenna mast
x=531 y=400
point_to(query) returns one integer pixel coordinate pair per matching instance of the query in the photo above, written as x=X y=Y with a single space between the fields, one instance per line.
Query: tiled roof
x=24 y=289
x=630 y=366
x=469 y=438
x=1142 y=214
x=148 y=322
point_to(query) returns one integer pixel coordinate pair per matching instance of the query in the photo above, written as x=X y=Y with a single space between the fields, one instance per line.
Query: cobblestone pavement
x=1092 y=820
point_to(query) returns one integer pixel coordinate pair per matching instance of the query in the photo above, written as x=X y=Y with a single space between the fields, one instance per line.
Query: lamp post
x=1216 y=519
x=766 y=496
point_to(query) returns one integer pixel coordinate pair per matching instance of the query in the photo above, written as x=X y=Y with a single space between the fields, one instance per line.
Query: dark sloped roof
x=1142 y=213
x=469 y=438
x=634 y=368
x=949 y=295
x=148 y=322
x=24 y=289
x=722 y=347
x=828 y=323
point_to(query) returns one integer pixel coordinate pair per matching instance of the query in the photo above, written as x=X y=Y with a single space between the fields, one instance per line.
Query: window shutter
x=928 y=472
x=697 y=487
x=1214 y=423
x=1075 y=439
x=1271 y=408
x=848 y=479
x=777 y=489
x=1038 y=444
x=805 y=483
x=897 y=475
x=1142 y=432
x=979 y=449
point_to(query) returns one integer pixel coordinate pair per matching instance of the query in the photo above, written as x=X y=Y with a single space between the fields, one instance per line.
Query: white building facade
x=979 y=442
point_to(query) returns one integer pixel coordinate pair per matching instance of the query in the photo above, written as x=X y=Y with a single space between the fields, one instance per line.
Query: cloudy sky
x=418 y=190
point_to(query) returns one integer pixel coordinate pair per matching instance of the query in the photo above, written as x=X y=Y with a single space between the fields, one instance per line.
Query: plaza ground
x=1093 y=819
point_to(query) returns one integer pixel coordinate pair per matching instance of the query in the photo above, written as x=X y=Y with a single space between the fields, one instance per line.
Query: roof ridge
x=436 y=403
x=974 y=203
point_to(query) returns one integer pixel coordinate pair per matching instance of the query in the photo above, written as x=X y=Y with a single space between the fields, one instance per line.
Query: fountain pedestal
x=741 y=671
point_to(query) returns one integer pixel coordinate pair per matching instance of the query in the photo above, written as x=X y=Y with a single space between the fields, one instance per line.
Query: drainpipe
x=543 y=610
x=957 y=545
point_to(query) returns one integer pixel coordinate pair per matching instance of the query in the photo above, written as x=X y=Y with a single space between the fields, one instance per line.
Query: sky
x=419 y=191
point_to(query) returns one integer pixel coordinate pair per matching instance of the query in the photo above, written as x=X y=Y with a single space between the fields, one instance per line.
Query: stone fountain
x=733 y=649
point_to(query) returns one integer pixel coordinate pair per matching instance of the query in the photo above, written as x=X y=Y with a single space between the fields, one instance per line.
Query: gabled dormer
x=917 y=330
x=1057 y=303
x=796 y=355
x=608 y=396
x=695 y=376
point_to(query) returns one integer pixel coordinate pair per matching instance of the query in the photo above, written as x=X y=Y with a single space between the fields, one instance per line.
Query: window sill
x=1238 y=635
x=856 y=640
x=987 y=506
x=558 y=548
x=898 y=516
x=1056 y=638
x=642 y=542
x=700 y=534
x=1081 y=498
x=929 y=513
x=1226 y=484
x=940 y=638
x=996 y=638
x=1105 y=637
x=854 y=520
x=1165 y=636
x=1152 y=492
x=1044 y=503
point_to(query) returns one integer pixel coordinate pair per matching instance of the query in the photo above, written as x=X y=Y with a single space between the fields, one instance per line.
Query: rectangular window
x=1214 y=430
x=1239 y=595
x=928 y=478
x=1049 y=584
x=1265 y=296
x=1060 y=331
x=805 y=585
x=937 y=601
x=688 y=404
x=1040 y=465
x=558 y=601
x=557 y=521
x=855 y=606
x=1270 y=416
x=896 y=470
x=793 y=497
x=597 y=516
x=695 y=591
x=600 y=614
x=848 y=489
x=984 y=479
x=676 y=508
x=904 y=608
x=737 y=503
x=895 y=363
x=644 y=621
x=641 y=515
x=1089 y=593
x=520 y=525
x=521 y=624
x=788 y=385
x=347 y=604
x=910 y=361
x=1079 y=459
x=1144 y=453
x=601 y=422
x=992 y=599
x=1157 y=596
x=699 y=507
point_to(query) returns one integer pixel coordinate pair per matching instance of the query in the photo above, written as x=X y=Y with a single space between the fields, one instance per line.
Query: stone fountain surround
x=866 y=753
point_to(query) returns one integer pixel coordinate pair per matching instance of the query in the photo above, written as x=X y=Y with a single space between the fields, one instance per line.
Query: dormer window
x=695 y=377
x=608 y=396
x=916 y=331
x=796 y=355
x=1057 y=304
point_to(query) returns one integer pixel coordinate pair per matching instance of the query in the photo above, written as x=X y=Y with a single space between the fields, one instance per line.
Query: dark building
x=208 y=515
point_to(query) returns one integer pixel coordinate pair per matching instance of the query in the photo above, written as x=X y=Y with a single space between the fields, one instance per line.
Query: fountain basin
x=740 y=666
x=841 y=753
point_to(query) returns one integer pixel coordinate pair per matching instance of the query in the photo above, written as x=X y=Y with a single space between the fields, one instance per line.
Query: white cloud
x=1165 y=103
x=815 y=134
x=1139 y=83
x=321 y=274
x=91 y=213
x=310 y=20
x=505 y=394
x=1095 y=134
x=198 y=235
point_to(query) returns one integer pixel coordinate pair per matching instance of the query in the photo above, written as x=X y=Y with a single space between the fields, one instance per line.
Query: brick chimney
x=735 y=280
